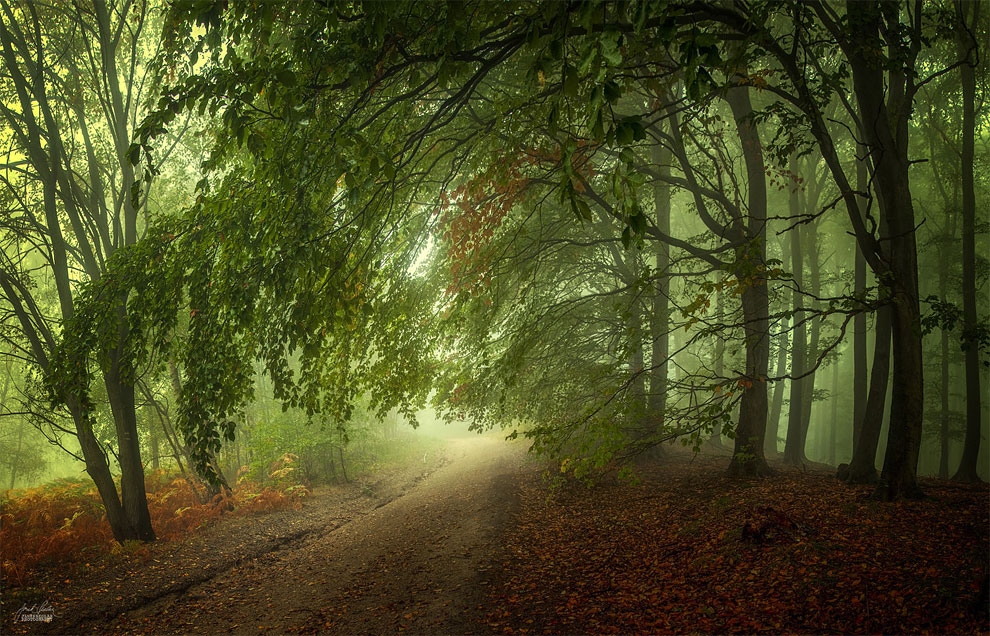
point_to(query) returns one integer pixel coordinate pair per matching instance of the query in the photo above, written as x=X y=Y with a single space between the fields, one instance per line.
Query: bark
x=967 y=49
x=859 y=322
x=98 y=469
x=796 y=429
x=777 y=404
x=862 y=468
x=943 y=429
x=155 y=445
x=120 y=393
x=660 y=317
x=747 y=456
x=835 y=412
x=885 y=129
x=716 y=436
x=636 y=358
x=945 y=253
x=811 y=350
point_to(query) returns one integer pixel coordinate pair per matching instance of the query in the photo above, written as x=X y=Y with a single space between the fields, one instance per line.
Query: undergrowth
x=64 y=522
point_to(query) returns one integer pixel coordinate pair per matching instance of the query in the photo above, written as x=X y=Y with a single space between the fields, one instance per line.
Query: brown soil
x=409 y=553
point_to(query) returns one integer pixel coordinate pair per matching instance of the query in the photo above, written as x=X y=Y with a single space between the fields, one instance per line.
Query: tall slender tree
x=75 y=73
x=968 y=14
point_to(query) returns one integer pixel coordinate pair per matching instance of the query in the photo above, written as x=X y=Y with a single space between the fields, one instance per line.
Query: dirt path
x=416 y=564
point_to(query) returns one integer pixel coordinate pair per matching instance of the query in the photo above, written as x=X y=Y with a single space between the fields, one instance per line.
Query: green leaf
x=570 y=82
x=598 y=128
x=612 y=92
x=624 y=134
x=581 y=208
x=134 y=154
x=286 y=77
x=638 y=222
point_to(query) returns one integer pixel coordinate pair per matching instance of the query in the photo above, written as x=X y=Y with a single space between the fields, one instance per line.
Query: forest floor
x=473 y=544
x=408 y=551
x=691 y=551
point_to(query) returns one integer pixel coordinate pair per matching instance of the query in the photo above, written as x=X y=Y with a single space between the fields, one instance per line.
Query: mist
x=473 y=317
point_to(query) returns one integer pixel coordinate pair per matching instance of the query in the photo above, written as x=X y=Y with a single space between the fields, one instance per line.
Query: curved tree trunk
x=862 y=468
x=885 y=118
x=747 y=456
x=120 y=394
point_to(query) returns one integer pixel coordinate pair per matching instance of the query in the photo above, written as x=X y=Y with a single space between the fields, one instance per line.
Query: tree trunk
x=808 y=204
x=899 y=476
x=120 y=394
x=343 y=468
x=780 y=369
x=971 y=445
x=835 y=412
x=747 y=456
x=99 y=471
x=796 y=430
x=885 y=128
x=636 y=358
x=716 y=436
x=859 y=321
x=945 y=253
x=155 y=445
x=660 y=317
x=943 y=429
x=773 y=422
x=20 y=428
x=811 y=351
x=862 y=468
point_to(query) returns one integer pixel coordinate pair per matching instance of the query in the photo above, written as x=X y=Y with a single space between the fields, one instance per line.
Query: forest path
x=415 y=564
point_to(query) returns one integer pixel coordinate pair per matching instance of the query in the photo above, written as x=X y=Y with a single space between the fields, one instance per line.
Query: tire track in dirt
x=416 y=564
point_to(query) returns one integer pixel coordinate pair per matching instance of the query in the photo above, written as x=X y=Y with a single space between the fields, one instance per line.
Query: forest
x=584 y=316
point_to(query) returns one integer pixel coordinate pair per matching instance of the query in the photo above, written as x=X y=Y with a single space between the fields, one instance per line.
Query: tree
x=969 y=13
x=74 y=78
x=796 y=429
x=407 y=101
x=884 y=93
x=747 y=456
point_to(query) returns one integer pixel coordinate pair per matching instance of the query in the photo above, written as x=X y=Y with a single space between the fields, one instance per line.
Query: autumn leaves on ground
x=691 y=551
x=473 y=541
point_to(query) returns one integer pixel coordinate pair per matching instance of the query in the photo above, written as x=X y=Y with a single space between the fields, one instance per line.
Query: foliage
x=515 y=148
x=63 y=522
x=947 y=315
